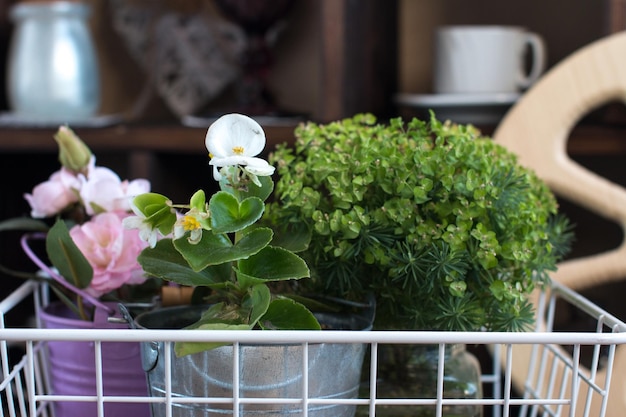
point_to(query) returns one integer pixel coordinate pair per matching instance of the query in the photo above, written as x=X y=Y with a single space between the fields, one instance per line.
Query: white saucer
x=9 y=119
x=461 y=108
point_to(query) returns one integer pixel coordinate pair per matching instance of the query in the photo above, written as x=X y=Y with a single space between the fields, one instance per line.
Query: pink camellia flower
x=111 y=250
x=52 y=196
x=103 y=190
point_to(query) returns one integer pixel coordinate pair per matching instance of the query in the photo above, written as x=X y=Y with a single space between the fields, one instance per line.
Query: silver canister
x=52 y=72
x=265 y=371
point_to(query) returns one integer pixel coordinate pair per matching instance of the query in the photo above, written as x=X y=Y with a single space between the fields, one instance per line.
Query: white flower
x=147 y=232
x=190 y=222
x=235 y=139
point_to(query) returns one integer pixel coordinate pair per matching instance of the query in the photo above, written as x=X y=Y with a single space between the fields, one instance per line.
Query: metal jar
x=52 y=63
x=265 y=371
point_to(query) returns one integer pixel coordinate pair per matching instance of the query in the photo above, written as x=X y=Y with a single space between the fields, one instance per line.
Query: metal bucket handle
x=55 y=275
x=368 y=307
x=150 y=350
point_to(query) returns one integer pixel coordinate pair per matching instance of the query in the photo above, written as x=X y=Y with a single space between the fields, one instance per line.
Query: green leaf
x=262 y=192
x=498 y=289
x=187 y=348
x=228 y=215
x=220 y=316
x=66 y=257
x=215 y=249
x=223 y=313
x=198 y=200
x=257 y=301
x=65 y=298
x=157 y=210
x=164 y=262
x=246 y=281
x=274 y=264
x=295 y=238
x=23 y=224
x=458 y=288
x=150 y=203
x=286 y=314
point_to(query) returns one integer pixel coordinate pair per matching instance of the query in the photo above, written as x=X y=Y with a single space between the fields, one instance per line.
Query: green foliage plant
x=440 y=223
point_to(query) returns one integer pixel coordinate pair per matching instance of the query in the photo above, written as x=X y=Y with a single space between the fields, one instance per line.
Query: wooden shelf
x=584 y=140
x=169 y=138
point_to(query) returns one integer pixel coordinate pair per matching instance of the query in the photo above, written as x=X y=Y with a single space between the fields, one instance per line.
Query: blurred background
x=167 y=67
x=399 y=32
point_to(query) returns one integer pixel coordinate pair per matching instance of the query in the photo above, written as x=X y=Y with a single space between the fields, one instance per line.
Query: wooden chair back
x=537 y=128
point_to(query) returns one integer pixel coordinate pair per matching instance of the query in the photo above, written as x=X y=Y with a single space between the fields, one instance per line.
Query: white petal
x=195 y=236
x=260 y=167
x=152 y=238
x=132 y=222
x=231 y=160
x=216 y=173
x=138 y=186
x=234 y=131
x=179 y=231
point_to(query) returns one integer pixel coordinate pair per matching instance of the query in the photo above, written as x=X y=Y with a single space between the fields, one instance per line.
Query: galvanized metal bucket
x=265 y=371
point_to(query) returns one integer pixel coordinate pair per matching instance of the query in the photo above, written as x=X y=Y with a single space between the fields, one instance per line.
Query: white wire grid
x=555 y=381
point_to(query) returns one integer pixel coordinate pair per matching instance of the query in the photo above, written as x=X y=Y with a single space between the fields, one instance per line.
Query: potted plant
x=78 y=211
x=441 y=223
x=241 y=275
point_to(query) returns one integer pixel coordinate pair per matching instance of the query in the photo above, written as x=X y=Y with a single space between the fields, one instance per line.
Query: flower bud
x=73 y=152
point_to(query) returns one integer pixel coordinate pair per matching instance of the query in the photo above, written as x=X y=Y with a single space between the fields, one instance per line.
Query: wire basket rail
x=548 y=372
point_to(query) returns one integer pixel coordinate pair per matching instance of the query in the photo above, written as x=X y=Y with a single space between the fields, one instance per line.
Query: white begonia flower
x=190 y=222
x=146 y=232
x=235 y=139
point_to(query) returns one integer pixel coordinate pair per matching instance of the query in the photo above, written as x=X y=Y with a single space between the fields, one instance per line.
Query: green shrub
x=440 y=223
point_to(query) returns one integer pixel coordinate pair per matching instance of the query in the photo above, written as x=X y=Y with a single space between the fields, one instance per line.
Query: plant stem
x=81 y=307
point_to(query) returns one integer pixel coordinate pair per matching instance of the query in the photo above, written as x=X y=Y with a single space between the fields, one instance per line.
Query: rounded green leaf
x=274 y=264
x=157 y=210
x=262 y=192
x=164 y=262
x=215 y=249
x=291 y=236
x=228 y=215
x=286 y=314
x=148 y=203
x=187 y=348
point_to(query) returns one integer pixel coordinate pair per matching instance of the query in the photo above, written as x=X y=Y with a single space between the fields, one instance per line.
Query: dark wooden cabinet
x=358 y=65
x=359 y=57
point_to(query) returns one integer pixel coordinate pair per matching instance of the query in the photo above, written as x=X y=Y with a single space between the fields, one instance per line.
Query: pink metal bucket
x=72 y=371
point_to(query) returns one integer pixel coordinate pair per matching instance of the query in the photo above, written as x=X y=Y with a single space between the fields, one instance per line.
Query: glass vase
x=410 y=371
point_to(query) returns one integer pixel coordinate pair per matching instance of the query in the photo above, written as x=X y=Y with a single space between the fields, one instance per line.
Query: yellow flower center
x=238 y=150
x=190 y=223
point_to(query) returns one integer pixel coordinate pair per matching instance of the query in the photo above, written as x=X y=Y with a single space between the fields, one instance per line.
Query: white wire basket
x=548 y=372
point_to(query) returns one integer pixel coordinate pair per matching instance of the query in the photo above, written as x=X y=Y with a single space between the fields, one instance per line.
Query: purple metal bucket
x=71 y=367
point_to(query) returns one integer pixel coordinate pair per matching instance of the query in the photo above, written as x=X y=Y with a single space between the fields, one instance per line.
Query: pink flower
x=111 y=250
x=52 y=196
x=102 y=190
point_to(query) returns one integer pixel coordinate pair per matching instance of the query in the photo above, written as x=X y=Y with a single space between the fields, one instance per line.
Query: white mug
x=486 y=59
